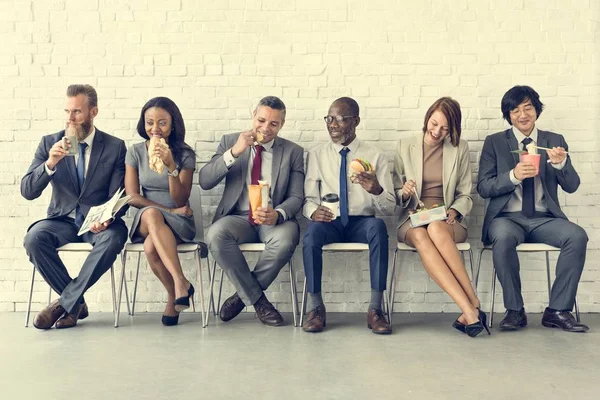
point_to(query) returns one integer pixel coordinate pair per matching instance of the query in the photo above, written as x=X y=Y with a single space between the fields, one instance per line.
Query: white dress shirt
x=515 y=204
x=86 y=159
x=323 y=177
x=266 y=171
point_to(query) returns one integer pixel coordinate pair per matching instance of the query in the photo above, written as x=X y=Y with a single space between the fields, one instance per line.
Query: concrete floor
x=425 y=358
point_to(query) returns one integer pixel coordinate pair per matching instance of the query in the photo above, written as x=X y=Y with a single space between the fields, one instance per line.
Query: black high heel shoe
x=459 y=326
x=183 y=303
x=476 y=328
x=168 y=320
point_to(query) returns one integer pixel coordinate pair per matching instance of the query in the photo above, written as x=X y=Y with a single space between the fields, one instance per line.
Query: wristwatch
x=175 y=172
x=280 y=219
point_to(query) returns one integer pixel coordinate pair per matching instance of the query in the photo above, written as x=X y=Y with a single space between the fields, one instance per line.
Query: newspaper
x=104 y=212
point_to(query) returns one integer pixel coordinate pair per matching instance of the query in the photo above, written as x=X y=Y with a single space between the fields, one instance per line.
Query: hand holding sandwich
x=363 y=173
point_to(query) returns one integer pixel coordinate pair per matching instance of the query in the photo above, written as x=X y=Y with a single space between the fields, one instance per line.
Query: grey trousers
x=45 y=236
x=280 y=241
x=508 y=230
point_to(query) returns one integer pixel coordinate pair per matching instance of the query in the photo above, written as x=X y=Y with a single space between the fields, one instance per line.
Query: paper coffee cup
x=332 y=201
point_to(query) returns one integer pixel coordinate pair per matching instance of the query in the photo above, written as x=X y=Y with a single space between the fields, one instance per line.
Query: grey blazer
x=105 y=175
x=287 y=176
x=493 y=182
x=456 y=175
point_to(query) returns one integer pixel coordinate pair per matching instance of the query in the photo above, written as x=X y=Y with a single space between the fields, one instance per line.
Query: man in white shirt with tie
x=523 y=207
x=328 y=172
x=242 y=159
x=88 y=179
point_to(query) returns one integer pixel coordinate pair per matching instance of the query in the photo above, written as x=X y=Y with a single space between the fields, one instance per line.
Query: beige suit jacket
x=456 y=175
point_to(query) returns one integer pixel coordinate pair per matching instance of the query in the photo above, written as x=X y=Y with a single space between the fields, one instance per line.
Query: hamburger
x=359 y=165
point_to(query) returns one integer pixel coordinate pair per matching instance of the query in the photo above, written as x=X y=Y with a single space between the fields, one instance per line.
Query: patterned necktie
x=79 y=218
x=255 y=175
x=344 y=188
x=528 y=189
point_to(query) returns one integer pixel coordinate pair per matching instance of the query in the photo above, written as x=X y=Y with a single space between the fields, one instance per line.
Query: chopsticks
x=545 y=148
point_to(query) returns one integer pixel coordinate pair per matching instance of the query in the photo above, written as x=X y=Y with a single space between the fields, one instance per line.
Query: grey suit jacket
x=287 y=176
x=494 y=185
x=456 y=175
x=105 y=175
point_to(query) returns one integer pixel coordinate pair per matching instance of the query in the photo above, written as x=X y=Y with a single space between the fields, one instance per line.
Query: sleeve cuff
x=283 y=214
x=513 y=179
x=228 y=158
x=561 y=165
x=48 y=170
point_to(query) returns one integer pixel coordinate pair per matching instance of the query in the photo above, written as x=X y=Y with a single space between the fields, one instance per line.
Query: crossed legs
x=160 y=247
x=442 y=261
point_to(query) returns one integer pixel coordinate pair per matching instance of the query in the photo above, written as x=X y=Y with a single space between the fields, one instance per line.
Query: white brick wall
x=217 y=58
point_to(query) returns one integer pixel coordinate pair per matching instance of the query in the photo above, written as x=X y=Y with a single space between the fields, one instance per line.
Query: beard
x=81 y=131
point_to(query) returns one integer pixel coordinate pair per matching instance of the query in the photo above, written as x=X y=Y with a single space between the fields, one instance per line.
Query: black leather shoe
x=563 y=320
x=514 y=320
x=267 y=313
x=231 y=308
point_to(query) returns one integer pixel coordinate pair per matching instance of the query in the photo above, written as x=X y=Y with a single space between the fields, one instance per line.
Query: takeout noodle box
x=425 y=217
x=532 y=158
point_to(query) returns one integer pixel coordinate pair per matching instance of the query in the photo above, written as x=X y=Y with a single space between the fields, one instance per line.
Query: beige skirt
x=460 y=233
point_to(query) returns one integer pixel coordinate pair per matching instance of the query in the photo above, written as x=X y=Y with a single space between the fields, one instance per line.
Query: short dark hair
x=177 y=136
x=272 y=102
x=87 y=90
x=351 y=104
x=516 y=96
x=451 y=110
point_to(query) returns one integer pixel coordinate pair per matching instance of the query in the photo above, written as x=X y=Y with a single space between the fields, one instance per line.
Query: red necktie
x=255 y=175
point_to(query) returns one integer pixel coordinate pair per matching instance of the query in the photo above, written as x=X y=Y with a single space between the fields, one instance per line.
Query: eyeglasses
x=529 y=108
x=339 y=118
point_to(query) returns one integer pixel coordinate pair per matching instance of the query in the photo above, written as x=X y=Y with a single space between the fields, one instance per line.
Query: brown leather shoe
x=69 y=320
x=49 y=315
x=267 y=313
x=231 y=308
x=377 y=322
x=316 y=320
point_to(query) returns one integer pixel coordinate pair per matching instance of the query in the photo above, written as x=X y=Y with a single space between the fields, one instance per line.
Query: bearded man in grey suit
x=89 y=178
x=242 y=159
x=523 y=207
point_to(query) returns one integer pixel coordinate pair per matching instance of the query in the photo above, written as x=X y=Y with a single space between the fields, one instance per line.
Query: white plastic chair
x=523 y=248
x=72 y=248
x=197 y=247
x=252 y=248
x=342 y=247
x=462 y=248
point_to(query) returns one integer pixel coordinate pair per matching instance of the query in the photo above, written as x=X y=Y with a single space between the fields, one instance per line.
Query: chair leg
x=137 y=274
x=548 y=275
x=304 y=295
x=577 y=316
x=294 y=293
x=474 y=276
x=392 y=293
x=119 y=297
x=220 y=289
x=211 y=303
x=202 y=308
x=30 y=297
x=493 y=296
x=113 y=290
x=211 y=300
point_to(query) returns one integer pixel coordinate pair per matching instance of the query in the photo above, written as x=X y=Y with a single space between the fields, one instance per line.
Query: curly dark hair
x=176 y=139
